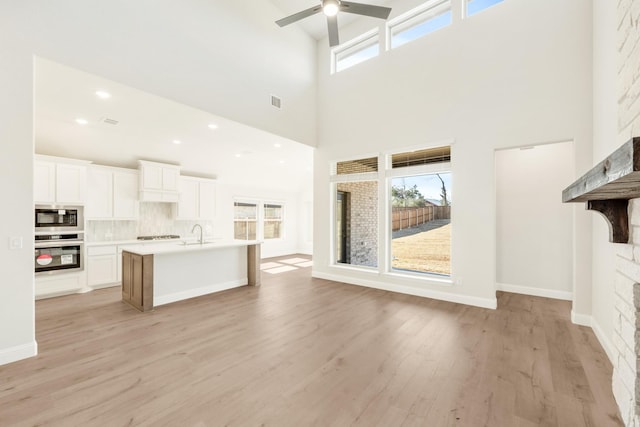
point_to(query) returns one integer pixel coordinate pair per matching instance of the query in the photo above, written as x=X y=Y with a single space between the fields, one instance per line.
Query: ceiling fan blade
x=298 y=16
x=332 y=23
x=365 y=9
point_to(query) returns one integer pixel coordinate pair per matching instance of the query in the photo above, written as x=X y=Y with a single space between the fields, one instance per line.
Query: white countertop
x=178 y=247
x=144 y=242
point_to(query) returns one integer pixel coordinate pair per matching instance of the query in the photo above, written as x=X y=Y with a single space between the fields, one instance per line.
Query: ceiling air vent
x=276 y=102
x=109 y=121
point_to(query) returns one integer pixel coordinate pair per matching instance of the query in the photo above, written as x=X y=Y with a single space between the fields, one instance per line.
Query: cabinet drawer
x=101 y=250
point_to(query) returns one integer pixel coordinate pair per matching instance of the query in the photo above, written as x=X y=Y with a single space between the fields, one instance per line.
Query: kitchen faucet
x=201 y=241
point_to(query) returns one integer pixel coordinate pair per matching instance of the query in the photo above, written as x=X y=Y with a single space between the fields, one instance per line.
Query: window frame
x=281 y=220
x=353 y=46
x=383 y=177
x=409 y=171
x=465 y=8
x=413 y=18
x=254 y=202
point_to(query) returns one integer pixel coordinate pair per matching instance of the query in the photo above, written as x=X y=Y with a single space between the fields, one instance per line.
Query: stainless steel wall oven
x=59 y=253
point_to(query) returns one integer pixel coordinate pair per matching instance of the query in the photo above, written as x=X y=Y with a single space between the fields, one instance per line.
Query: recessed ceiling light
x=281 y=162
x=177 y=141
x=213 y=126
x=103 y=94
x=277 y=145
x=81 y=121
x=238 y=155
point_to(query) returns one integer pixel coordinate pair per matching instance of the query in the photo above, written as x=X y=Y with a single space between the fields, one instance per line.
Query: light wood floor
x=301 y=352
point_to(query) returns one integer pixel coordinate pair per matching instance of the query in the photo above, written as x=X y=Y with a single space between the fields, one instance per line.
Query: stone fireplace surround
x=612 y=188
x=626 y=337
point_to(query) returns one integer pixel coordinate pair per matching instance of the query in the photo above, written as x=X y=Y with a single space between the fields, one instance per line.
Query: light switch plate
x=15 y=243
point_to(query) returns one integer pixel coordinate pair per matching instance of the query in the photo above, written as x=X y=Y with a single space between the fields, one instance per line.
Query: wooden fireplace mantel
x=608 y=186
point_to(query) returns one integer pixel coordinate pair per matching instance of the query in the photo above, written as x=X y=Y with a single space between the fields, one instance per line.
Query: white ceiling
x=316 y=25
x=148 y=125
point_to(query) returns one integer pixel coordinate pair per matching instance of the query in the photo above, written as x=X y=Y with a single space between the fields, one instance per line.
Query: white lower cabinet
x=102 y=266
x=54 y=285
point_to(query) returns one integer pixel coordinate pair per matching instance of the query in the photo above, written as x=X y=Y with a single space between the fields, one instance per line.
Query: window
x=273 y=215
x=425 y=19
x=245 y=221
x=420 y=220
x=356 y=51
x=475 y=6
x=355 y=215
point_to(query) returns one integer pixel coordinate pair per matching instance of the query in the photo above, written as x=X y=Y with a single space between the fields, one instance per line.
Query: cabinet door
x=207 y=199
x=125 y=195
x=70 y=183
x=44 y=182
x=170 y=178
x=100 y=195
x=151 y=177
x=189 y=200
x=101 y=270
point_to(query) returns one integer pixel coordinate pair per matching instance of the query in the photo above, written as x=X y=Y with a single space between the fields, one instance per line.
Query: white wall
x=515 y=74
x=605 y=141
x=225 y=57
x=534 y=242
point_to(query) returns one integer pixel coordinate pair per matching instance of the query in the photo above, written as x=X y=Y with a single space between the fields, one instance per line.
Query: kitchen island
x=154 y=275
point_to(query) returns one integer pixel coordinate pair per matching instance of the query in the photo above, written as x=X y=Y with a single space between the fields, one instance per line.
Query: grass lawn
x=428 y=251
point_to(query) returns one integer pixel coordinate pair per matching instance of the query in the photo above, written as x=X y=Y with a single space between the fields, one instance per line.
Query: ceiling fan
x=331 y=8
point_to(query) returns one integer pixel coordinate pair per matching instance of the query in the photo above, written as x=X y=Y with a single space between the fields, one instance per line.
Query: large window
x=355 y=215
x=273 y=217
x=245 y=221
x=410 y=226
x=420 y=220
x=425 y=19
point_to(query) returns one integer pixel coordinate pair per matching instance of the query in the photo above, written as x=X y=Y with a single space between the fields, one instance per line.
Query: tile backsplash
x=154 y=219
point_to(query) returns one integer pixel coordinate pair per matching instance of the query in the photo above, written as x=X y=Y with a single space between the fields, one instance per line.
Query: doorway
x=534 y=229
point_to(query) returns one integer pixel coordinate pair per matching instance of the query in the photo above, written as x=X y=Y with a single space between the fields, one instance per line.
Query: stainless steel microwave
x=55 y=218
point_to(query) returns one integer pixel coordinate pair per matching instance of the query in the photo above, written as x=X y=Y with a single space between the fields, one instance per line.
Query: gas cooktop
x=159 y=237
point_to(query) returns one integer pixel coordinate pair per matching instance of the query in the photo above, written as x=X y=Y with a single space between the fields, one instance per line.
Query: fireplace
x=612 y=188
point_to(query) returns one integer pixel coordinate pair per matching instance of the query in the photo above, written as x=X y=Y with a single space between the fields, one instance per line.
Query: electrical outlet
x=15 y=243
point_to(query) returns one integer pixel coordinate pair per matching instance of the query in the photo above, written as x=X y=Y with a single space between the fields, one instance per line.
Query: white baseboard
x=536 y=292
x=204 y=290
x=13 y=354
x=580 y=319
x=491 y=303
x=605 y=342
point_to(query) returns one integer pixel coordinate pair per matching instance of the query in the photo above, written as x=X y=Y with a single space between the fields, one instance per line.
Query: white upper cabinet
x=44 y=182
x=58 y=182
x=158 y=181
x=125 y=194
x=113 y=193
x=197 y=198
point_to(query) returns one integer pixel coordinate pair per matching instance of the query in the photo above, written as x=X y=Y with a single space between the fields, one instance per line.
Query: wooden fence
x=402 y=218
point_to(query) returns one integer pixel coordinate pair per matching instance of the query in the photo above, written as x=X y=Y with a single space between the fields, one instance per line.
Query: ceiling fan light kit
x=331 y=8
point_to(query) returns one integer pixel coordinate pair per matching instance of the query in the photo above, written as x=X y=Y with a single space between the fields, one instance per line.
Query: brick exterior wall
x=626 y=339
x=363 y=222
